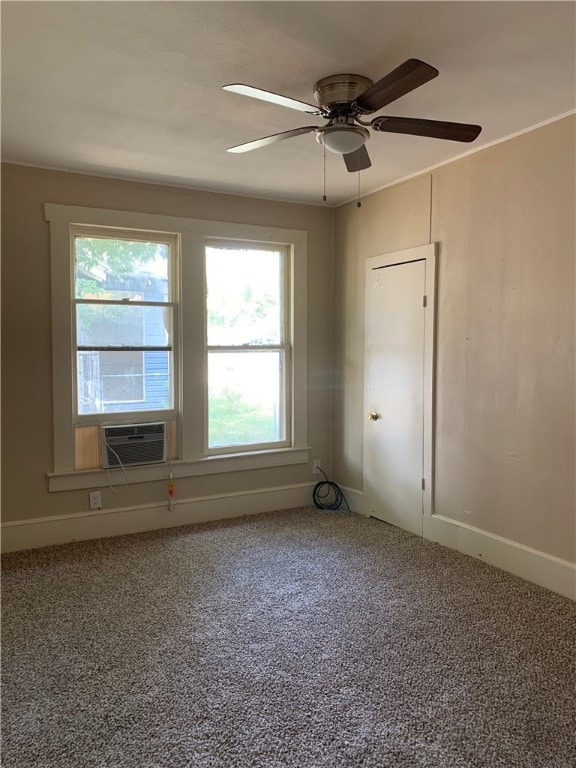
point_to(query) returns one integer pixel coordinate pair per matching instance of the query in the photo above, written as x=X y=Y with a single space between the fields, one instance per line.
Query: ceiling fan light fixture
x=342 y=138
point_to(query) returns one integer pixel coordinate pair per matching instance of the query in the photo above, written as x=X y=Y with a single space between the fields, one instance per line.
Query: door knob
x=373 y=416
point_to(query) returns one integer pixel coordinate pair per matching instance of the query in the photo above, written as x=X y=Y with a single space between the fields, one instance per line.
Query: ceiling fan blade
x=435 y=129
x=273 y=98
x=271 y=139
x=357 y=161
x=412 y=74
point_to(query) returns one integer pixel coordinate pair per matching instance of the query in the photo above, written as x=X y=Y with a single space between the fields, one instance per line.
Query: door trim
x=426 y=253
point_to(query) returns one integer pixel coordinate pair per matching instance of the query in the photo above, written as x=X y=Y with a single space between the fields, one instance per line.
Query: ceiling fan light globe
x=342 y=139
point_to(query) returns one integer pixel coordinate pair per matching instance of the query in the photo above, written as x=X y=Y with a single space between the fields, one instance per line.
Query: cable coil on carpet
x=328 y=495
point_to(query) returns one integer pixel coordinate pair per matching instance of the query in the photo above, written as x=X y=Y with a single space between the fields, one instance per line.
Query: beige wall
x=387 y=221
x=505 y=420
x=505 y=384
x=27 y=437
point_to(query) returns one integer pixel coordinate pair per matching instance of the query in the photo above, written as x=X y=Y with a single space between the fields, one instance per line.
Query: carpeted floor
x=302 y=638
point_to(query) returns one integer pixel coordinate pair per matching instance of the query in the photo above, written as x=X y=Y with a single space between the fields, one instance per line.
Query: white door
x=394 y=391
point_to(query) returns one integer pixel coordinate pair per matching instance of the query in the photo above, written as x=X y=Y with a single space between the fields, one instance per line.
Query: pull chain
x=324 y=187
x=358 y=203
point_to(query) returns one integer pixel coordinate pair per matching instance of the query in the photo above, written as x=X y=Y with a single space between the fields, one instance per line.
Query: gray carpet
x=301 y=638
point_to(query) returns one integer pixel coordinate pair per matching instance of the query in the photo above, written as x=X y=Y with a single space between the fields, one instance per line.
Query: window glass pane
x=116 y=381
x=244 y=296
x=245 y=398
x=122 y=377
x=131 y=269
x=104 y=325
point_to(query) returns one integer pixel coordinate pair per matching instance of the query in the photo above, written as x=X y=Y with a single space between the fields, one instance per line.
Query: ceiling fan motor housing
x=340 y=89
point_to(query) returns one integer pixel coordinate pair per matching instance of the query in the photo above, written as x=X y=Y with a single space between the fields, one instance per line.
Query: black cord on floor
x=328 y=495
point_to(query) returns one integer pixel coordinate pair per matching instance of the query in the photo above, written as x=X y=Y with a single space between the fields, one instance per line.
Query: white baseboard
x=530 y=564
x=358 y=501
x=61 y=529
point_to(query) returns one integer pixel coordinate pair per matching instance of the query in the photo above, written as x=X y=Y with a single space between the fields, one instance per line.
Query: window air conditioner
x=133 y=444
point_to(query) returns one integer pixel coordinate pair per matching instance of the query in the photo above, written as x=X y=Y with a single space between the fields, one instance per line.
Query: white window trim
x=192 y=234
x=209 y=465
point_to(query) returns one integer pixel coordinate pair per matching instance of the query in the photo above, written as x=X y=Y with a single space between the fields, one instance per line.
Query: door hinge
x=423 y=484
x=424 y=300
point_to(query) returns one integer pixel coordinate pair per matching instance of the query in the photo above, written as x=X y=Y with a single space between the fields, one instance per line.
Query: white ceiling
x=133 y=89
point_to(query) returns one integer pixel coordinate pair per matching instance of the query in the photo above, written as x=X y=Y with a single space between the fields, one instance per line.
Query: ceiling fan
x=345 y=99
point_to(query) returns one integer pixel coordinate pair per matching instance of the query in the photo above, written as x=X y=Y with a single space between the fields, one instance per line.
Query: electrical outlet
x=95 y=500
x=316 y=466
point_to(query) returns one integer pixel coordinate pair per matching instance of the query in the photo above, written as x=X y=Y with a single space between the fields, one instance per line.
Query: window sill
x=211 y=465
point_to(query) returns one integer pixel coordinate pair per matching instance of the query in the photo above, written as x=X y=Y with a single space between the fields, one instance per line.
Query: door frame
x=426 y=253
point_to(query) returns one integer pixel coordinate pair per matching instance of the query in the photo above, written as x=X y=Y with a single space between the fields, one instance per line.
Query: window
x=201 y=324
x=248 y=345
x=124 y=320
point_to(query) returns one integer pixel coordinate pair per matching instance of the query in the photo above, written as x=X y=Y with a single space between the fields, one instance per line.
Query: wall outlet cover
x=95 y=500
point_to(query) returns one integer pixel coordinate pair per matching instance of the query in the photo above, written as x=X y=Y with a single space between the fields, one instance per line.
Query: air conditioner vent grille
x=150 y=429
x=133 y=444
